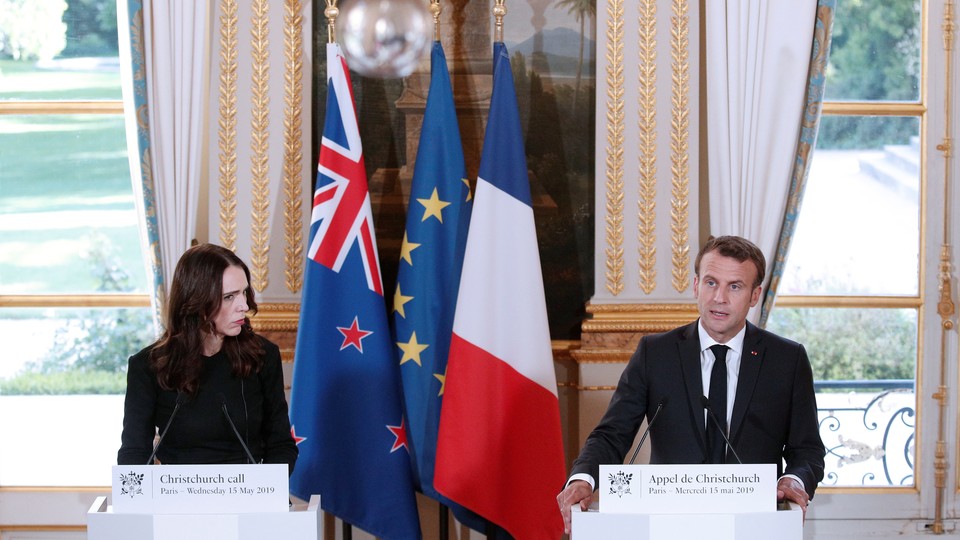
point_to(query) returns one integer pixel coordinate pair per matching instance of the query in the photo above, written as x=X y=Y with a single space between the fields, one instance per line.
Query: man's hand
x=577 y=491
x=791 y=490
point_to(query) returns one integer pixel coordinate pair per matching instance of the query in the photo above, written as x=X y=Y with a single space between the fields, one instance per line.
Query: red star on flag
x=353 y=336
x=293 y=433
x=400 y=432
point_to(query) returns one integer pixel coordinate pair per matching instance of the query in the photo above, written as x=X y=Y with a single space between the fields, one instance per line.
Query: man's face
x=725 y=293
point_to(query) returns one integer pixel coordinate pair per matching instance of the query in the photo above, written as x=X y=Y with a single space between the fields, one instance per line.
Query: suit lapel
x=689 y=351
x=750 y=361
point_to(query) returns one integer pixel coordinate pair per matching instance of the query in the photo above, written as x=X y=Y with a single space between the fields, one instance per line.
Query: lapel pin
x=753 y=353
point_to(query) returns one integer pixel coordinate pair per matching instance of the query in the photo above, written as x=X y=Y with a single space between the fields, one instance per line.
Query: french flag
x=499 y=449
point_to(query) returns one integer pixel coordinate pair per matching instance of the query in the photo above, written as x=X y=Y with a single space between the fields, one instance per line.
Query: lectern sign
x=684 y=489
x=200 y=489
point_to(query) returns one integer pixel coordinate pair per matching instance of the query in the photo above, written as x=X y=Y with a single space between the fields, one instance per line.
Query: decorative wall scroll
x=227 y=125
x=293 y=144
x=614 y=148
x=680 y=146
x=260 y=144
x=650 y=122
x=257 y=168
x=647 y=120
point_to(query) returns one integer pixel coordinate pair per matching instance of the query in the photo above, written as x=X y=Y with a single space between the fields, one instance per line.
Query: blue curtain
x=146 y=184
x=808 y=139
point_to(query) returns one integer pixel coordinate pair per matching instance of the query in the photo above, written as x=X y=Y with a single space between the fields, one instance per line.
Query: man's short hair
x=737 y=248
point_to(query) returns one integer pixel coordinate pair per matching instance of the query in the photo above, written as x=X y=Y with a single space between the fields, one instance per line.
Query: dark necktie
x=718 y=402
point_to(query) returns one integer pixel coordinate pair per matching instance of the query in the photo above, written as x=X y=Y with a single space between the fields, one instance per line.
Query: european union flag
x=428 y=278
x=345 y=405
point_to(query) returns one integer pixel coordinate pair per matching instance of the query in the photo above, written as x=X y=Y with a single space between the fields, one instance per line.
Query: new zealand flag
x=345 y=405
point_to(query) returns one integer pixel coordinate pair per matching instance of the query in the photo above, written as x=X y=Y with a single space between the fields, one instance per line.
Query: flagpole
x=443 y=511
x=331 y=14
x=444 y=521
x=499 y=12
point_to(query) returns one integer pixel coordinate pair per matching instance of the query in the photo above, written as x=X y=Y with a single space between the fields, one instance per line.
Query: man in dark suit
x=769 y=406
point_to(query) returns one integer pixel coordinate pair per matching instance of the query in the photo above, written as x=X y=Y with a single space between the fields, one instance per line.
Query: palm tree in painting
x=580 y=9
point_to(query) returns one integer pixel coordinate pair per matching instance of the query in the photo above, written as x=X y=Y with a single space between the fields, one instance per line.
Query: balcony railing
x=869 y=429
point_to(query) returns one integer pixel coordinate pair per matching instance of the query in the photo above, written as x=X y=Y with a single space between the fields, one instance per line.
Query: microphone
x=663 y=401
x=166 y=428
x=223 y=408
x=706 y=405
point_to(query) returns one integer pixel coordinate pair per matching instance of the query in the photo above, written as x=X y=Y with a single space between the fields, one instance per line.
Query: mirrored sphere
x=384 y=38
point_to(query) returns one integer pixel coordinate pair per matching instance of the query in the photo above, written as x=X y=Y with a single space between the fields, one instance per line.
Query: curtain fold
x=758 y=57
x=167 y=79
x=819 y=57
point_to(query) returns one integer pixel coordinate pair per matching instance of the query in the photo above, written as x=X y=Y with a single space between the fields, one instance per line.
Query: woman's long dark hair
x=195 y=298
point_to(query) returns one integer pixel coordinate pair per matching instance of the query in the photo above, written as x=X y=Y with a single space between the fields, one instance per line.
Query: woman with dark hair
x=207 y=371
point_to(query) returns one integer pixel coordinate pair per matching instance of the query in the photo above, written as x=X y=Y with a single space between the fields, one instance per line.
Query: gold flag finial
x=435 y=9
x=499 y=11
x=331 y=14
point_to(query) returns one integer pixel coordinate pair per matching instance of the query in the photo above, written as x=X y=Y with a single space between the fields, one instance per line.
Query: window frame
x=882 y=510
x=113 y=107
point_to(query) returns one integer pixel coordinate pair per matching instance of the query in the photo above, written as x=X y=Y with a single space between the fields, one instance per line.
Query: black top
x=200 y=433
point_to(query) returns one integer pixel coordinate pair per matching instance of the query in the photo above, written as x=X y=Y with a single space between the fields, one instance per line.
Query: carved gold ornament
x=227 y=125
x=614 y=150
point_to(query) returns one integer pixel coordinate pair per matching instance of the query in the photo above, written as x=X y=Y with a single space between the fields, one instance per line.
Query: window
x=851 y=291
x=73 y=284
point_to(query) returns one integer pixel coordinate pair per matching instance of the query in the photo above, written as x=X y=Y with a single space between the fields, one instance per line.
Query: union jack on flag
x=341 y=202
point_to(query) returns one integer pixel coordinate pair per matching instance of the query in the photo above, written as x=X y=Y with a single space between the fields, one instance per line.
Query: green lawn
x=62 y=161
x=64 y=182
x=23 y=81
x=58 y=261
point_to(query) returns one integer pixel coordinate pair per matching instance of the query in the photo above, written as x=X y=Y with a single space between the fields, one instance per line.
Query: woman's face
x=230 y=318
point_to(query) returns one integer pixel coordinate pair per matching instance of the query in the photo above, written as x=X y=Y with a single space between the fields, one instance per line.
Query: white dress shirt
x=707 y=360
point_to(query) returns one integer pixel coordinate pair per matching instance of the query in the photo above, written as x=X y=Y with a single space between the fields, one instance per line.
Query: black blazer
x=774 y=413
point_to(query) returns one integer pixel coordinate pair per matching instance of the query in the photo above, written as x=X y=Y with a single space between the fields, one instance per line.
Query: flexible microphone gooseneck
x=706 y=405
x=646 y=432
x=166 y=428
x=223 y=408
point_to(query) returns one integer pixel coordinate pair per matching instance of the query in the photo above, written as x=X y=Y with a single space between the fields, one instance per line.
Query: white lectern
x=202 y=502
x=668 y=502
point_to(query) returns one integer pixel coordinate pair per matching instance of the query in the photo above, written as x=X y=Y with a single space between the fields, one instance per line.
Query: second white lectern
x=667 y=502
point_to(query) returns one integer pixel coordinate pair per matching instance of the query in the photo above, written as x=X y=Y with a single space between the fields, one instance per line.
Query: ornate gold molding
x=293 y=144
x=276 y=317
x=680 y=145
x=563 y=349
x=646 y=318
x=605 y=356
x=260 y=144
x=614 y=150
x=647 y=98
x=227 y=126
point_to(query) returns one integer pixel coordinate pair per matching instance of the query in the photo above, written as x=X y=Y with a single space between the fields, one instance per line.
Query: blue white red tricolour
x=500 y=451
